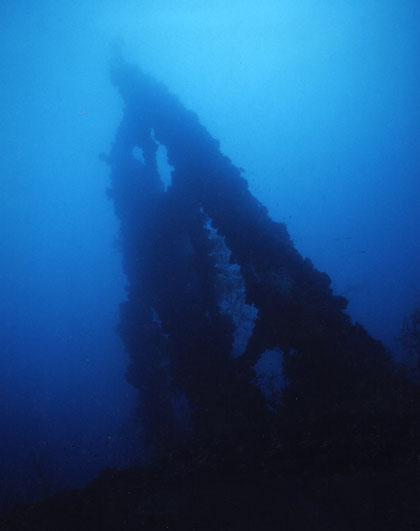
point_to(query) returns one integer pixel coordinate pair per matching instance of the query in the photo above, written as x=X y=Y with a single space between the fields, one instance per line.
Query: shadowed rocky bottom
x=220 y=492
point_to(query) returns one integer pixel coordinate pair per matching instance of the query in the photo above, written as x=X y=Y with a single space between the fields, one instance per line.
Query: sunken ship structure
x=215 y=285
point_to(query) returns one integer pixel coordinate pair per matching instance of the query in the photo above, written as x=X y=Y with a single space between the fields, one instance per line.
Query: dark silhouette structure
x=213 y=285
x=343 y=396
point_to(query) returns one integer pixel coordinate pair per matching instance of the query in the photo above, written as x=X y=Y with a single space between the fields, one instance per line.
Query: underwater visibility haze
x=156 y=158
